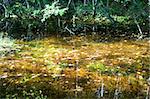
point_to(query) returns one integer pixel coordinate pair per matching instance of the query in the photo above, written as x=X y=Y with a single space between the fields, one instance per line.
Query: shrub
x=7 y=45
x=53 y=9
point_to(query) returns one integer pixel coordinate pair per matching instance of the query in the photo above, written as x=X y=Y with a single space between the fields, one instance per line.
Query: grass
x=75 y=67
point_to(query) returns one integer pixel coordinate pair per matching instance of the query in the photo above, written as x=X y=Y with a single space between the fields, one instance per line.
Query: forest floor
x=76 y=67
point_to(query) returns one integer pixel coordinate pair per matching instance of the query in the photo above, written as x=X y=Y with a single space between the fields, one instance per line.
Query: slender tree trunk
x=5 y=10
x=107 y=4
x=85 y=2
x=77 y=78
x=39 y=4
x=27 y=3
x=94 y=13
x=148 y=93
x=106 y=12
x=6 y=16
x=102 y=89
x=29 y=33
x=69 y=2
x=94 y=2
x=139 y=28
x=140 y=36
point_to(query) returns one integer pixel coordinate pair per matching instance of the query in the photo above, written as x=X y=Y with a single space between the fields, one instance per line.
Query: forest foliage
x=34 y=16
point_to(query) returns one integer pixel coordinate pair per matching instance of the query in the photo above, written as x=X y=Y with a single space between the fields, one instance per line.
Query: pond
x=76 y=67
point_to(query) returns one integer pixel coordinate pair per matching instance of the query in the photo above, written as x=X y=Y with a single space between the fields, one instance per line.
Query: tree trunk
x=107 y=4
x=94 y=2
x=139 y=28
x=27 y=4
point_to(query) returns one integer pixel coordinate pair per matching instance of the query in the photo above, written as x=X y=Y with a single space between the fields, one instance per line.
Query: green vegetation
x=35 y=17
x=96 y=67
x=74 y=49
x=7 y=45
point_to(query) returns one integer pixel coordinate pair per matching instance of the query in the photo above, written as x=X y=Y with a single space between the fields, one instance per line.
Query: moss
x=57 y=67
